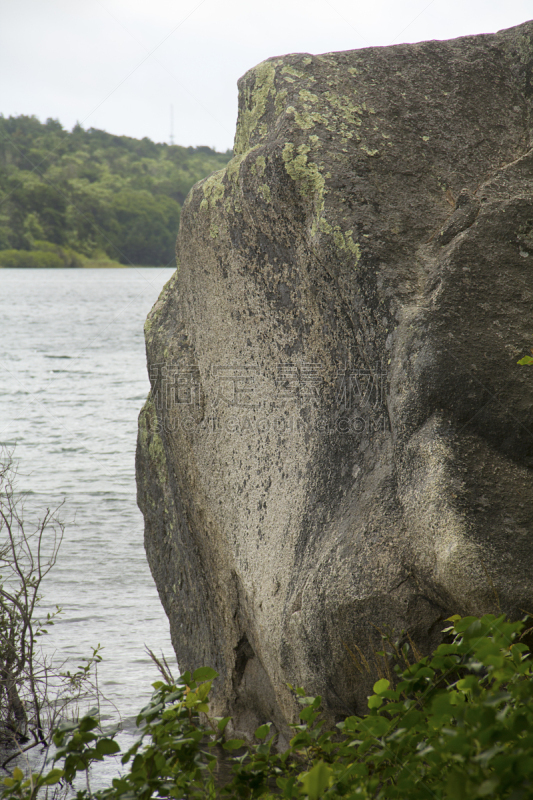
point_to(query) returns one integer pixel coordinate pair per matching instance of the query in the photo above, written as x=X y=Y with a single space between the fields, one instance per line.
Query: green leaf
x=470 y=624
x=525 y=360
x=88 y=723
x=173 y=696
x=308 y=714
x=54 y=776
x=149 y=710
x=381 y=686
x=488 y=787
x=286 y=785
x=203 y=690
x=221 y=724
x=233 y=744
x=204 y=674
x=456 y=786
x=107 y=747
x=316 y=781
x=263 y=731
x=65 y=727
x=375 y=701
x=377 y=726
x=470 y=682
x=297 y=690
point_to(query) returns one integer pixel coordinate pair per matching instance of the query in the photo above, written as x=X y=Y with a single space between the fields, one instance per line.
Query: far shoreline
x=96 y=265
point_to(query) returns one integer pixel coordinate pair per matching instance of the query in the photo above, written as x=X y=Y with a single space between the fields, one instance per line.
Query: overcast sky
x=120 y=65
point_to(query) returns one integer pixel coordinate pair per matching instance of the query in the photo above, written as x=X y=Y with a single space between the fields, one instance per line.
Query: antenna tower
x=171 y=124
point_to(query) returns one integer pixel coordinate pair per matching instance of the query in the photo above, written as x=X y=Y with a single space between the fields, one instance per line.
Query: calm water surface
x=73 y=382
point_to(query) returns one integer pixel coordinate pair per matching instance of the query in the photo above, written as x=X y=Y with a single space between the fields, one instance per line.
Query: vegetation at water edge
x=68 y=197
x=36 y=692
x=455 y=725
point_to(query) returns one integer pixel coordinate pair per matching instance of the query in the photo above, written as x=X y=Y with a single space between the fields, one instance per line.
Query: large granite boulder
x=338 y=441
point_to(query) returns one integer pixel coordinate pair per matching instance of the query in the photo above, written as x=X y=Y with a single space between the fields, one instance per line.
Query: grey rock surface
x=338 y=438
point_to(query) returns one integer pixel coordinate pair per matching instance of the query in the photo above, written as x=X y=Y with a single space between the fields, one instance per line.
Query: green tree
x=94 y=192
x=147 y=227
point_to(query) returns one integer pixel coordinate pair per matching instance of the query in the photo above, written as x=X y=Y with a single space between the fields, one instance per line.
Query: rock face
x=338 y=437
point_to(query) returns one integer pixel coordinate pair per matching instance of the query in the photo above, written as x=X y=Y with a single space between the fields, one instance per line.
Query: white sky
x=119 y=65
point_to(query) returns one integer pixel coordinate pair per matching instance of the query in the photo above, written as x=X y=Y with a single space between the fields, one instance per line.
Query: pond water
x=73 y=382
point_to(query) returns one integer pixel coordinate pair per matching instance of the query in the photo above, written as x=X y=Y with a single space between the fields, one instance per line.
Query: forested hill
x=86 y=194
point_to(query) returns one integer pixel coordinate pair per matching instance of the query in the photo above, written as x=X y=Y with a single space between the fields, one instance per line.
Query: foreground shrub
x=457 y=724
x=35 y=692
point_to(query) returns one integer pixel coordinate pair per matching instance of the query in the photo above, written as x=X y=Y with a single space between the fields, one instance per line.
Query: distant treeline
x=86 y=194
